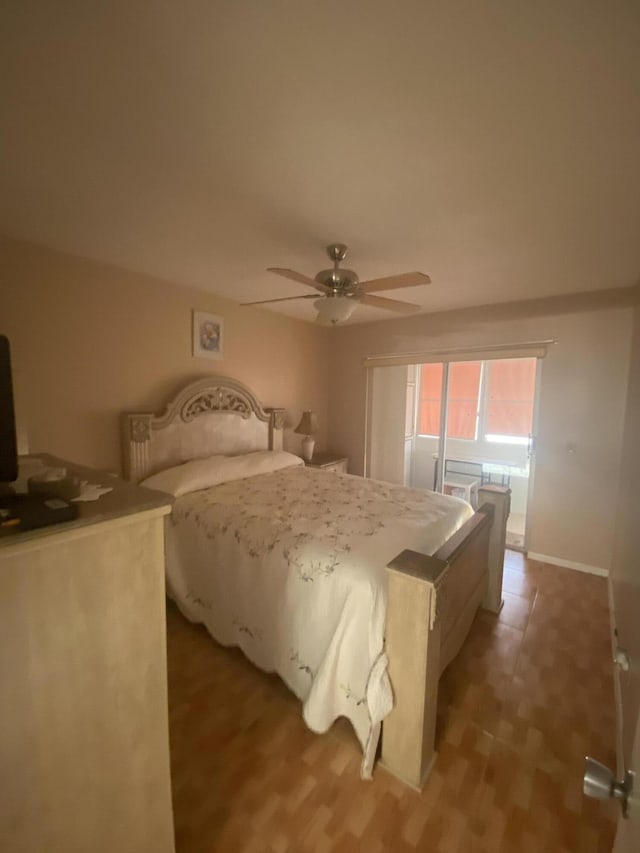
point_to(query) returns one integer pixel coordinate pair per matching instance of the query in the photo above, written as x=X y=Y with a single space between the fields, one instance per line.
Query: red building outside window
x=464 y=388
x=509 y=387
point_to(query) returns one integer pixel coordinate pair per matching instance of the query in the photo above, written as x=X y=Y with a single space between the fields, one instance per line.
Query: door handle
x=599 y=782
x=621 y=659
x=531 y=445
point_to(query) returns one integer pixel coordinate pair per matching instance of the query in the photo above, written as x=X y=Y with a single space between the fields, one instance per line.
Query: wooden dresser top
x=124 y=499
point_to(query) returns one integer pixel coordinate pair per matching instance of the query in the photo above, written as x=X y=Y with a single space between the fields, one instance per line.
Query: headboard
x=211 y=415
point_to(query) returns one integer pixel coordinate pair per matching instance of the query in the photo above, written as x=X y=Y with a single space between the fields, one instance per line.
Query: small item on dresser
x=54 y=482
x=29 y=512
x=91 y=491
x=28 y=466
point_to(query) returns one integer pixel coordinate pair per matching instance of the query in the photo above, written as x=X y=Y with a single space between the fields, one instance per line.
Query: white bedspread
x=290 y=567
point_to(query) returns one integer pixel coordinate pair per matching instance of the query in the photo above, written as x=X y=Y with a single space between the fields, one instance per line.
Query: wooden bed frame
x=431 y=599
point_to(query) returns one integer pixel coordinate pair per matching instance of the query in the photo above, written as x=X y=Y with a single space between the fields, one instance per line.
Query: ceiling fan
x=342 y=290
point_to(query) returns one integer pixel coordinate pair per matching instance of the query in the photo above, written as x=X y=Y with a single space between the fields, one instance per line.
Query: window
x=496 y=395
x=430 y=393
x=509 y=400
x=464 y=390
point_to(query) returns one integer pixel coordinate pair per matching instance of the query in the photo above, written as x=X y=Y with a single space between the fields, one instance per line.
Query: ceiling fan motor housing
x=342 y=282
x=339 y=280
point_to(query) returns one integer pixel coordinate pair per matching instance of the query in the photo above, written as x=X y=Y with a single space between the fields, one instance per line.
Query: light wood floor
x=529 y=695
x=515 y=530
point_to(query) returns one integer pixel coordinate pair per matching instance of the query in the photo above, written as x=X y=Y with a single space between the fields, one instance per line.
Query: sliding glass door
x=455 y=425
x=475 y=426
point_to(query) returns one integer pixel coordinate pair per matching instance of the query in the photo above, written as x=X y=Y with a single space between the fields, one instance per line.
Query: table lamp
x=308 y=426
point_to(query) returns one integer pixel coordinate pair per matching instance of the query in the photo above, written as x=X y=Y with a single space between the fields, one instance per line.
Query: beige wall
x=89 y=340
x=582 y=403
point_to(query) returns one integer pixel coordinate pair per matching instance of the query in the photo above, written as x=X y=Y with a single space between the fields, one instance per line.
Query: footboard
x=431 y=604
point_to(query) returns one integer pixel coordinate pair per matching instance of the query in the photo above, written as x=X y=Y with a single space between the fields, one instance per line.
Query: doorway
x=478 y=417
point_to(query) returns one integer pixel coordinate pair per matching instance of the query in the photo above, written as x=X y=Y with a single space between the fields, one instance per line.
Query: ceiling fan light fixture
x=334 y=309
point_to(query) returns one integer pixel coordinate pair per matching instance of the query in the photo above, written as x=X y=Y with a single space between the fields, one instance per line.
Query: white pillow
x=214 y=470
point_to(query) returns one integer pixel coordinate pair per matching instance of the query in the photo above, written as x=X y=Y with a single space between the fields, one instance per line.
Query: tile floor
x=515 y=530
x=529 y=695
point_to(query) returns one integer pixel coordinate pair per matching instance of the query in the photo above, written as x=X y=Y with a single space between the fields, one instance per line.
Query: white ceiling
x=494 y=145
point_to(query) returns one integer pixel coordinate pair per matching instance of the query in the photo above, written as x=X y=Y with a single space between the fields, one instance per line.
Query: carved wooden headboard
x=211 y=415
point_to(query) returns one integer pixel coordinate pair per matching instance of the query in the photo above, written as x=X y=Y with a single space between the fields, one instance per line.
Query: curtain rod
x=431 y=355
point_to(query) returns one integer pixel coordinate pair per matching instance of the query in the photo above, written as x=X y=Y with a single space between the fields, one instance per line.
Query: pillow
x=214 y=470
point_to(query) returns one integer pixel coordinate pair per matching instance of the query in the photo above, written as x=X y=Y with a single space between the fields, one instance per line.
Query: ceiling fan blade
x=302 y=279
x=389 y=304
x=393 y=282
x=283 y=299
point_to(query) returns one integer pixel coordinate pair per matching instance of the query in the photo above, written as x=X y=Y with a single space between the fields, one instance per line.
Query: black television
x=8 y=445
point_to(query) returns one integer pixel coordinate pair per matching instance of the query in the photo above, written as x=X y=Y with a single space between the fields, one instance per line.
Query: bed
x=357 y=593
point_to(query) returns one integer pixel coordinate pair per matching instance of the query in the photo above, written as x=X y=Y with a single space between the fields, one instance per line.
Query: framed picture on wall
x=208 y=335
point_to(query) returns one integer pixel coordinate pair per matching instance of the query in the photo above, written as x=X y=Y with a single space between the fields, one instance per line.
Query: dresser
x=329 y=462
x=84 y=734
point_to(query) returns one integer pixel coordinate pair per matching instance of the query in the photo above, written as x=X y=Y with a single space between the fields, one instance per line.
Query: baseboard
x=569 y=564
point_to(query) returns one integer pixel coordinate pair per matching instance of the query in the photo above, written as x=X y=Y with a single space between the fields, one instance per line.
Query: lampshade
x=334 y=309
x=308 y=424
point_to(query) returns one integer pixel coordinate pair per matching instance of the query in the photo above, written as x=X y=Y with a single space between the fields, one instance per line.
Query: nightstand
x=462 y=487
x=329 y=462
